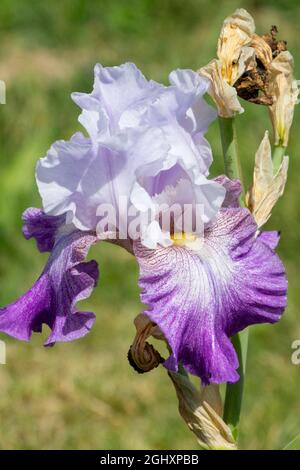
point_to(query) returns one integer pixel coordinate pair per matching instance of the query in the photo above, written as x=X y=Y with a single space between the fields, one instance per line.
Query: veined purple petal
x=52 y=300
x=233 y=191
x=42 y=227
x=271 y=239
x=201 y=297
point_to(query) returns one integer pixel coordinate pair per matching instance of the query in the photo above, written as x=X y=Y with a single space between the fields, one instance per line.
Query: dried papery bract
x=201 y=410
x=284 y=89
x=267 y=187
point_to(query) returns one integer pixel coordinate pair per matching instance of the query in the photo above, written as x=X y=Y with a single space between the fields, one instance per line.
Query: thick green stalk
x=278 y=155
x=230 y=149
x=234 y=392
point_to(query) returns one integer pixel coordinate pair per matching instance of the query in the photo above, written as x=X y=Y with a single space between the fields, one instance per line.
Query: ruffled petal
x=41 y=227
x=201 y=296
x=271 y=239
x=65 y=280
x=116 y=90
x=200 y=115
x=140 y=134
x=76 y=177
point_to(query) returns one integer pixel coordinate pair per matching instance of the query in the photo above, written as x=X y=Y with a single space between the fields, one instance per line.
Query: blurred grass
x=84 y=394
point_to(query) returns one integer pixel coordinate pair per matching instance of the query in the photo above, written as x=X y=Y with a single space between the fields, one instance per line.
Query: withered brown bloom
x=142 y=356
x=234 y=59
x=255 y=85
x=247 y=67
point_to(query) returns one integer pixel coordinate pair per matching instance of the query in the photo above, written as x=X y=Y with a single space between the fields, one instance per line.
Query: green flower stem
x=234 y=392
x=278 y=155
x=230 y=149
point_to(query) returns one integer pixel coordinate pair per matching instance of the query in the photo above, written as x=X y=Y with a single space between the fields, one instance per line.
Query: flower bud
x=284 y=89
x=267 y=187
x=201 y=410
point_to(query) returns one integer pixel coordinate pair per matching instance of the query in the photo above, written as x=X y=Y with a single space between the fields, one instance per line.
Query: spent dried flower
x=245 y=65
x=234 y=59
x=142 y=356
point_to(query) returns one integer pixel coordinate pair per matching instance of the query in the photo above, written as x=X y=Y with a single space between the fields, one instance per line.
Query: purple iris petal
x=65 y=280
x=199 y=298
x=271 y=239
x=42 y=227
x=233 y=191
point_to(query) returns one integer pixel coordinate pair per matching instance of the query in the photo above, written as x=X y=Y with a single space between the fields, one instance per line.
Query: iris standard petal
x=138 y=129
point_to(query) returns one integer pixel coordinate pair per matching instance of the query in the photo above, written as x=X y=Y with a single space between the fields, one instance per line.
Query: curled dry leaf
x=141 y=355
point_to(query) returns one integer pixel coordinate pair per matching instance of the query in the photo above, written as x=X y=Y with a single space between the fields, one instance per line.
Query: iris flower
x=145 y=142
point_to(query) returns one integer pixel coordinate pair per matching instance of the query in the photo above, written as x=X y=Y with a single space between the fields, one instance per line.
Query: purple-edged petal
x=271 y=239
x=42 y=227
x=233 y=191
x=52 y=300
x=200 y=297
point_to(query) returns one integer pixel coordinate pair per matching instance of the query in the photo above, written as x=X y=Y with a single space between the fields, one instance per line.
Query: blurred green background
x=84 y=395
